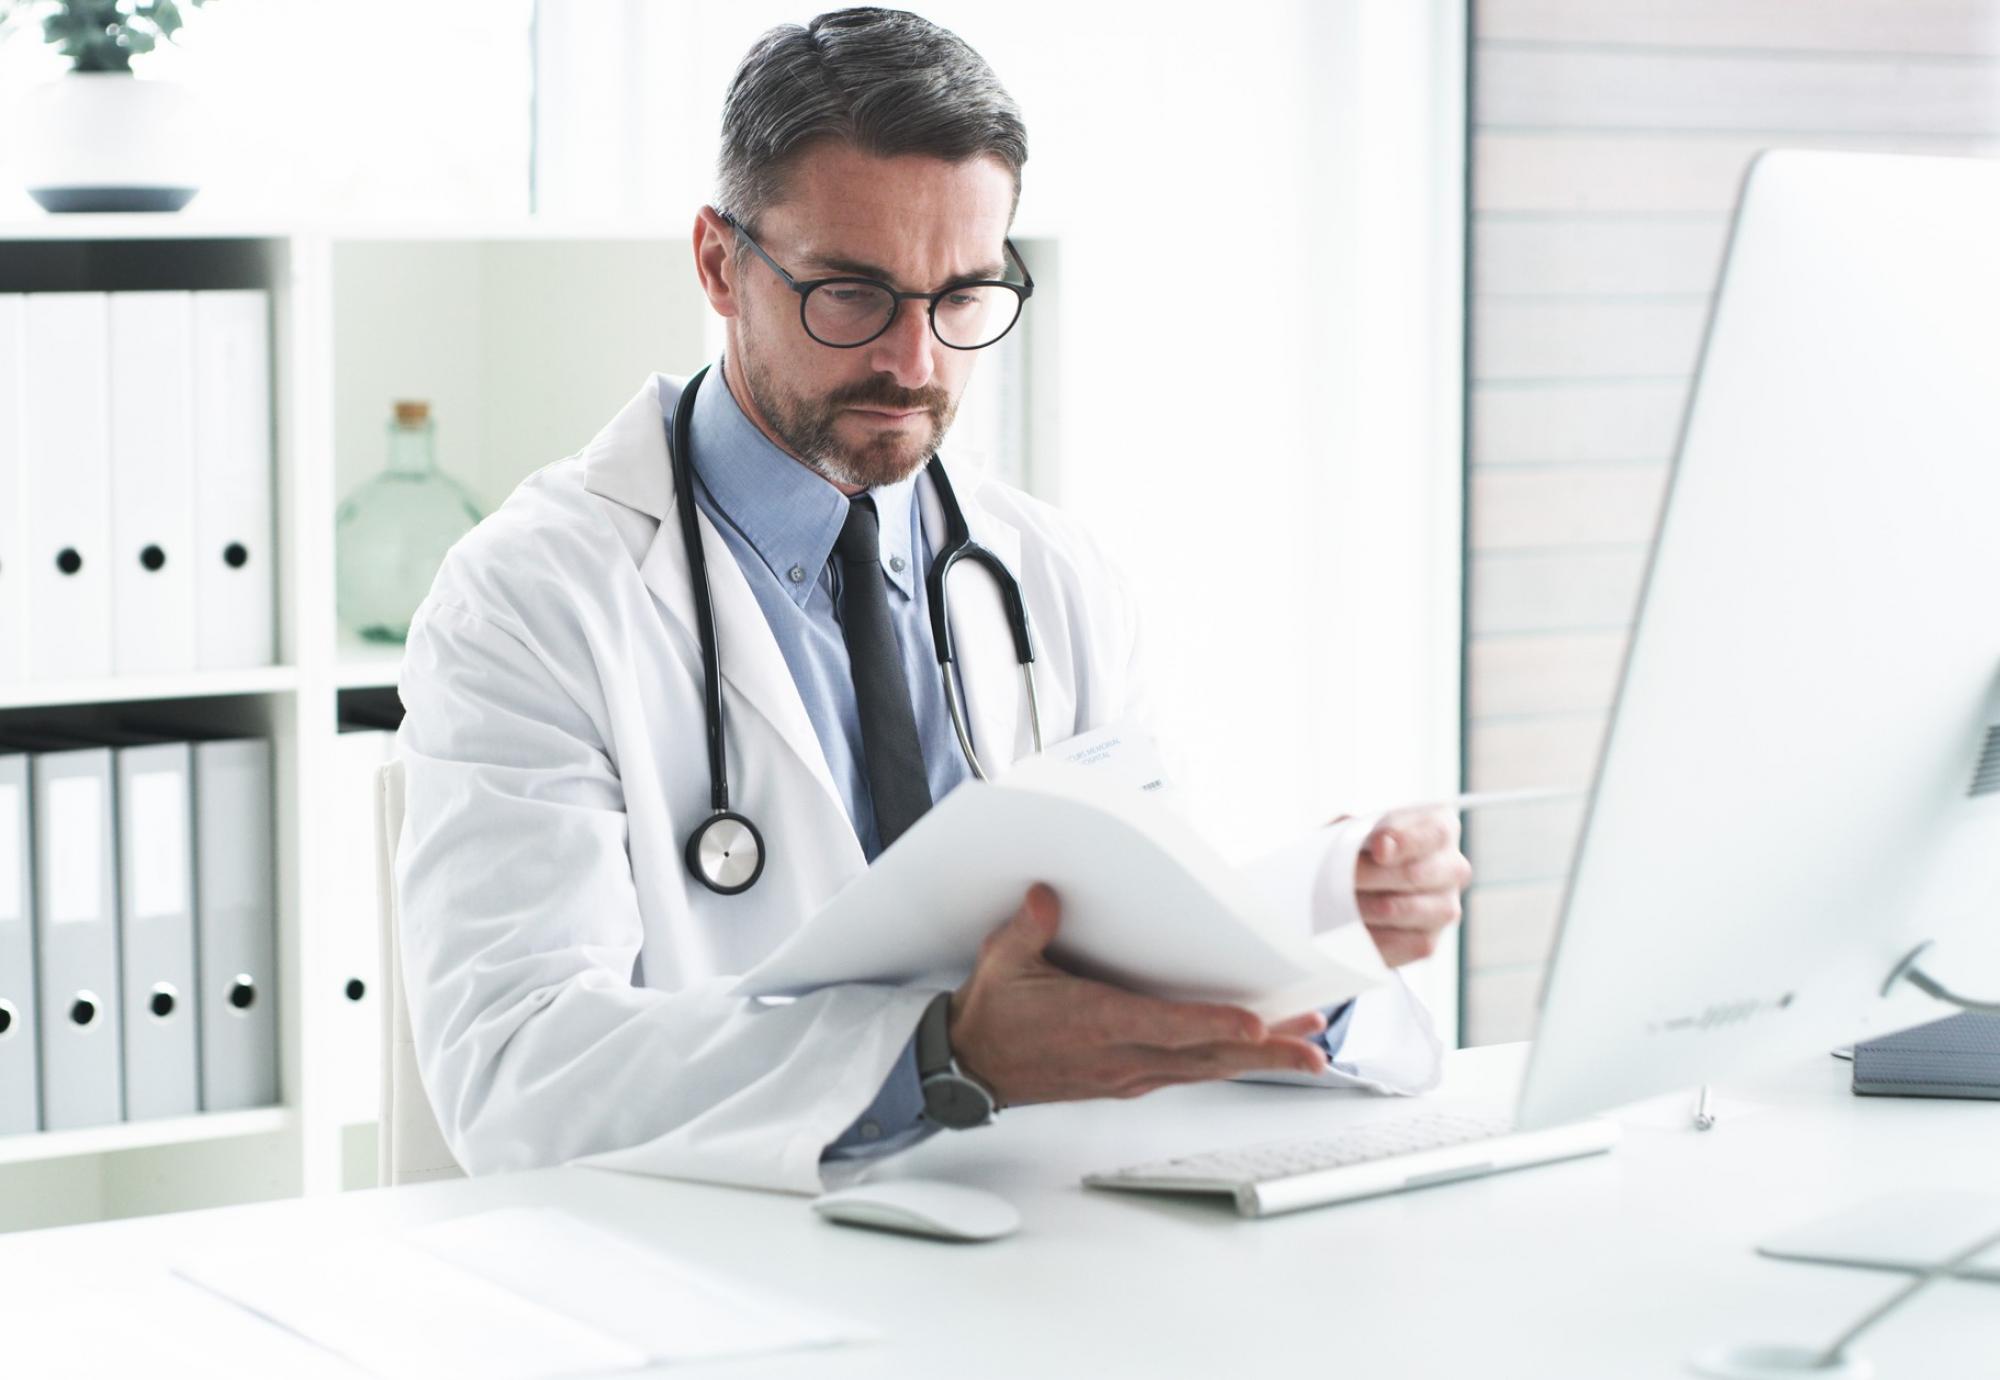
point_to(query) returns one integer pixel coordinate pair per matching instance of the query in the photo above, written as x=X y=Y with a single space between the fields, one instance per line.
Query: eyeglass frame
x=1023 y=290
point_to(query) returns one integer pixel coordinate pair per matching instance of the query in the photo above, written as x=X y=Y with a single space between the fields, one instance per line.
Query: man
x=569 y=975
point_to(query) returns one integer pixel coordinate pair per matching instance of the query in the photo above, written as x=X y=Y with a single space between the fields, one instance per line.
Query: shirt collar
x=789 y=515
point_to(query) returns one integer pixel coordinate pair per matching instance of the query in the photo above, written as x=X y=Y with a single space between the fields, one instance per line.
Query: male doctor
x=568 y=976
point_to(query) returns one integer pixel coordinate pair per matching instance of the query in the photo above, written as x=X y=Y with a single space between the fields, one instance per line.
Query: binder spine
x=20 y=1073
x=67 y=468
x=235 y=909
x=76 y=940
x=13 y=487
x=156 y=914
x=153 y=492
x=235 y=571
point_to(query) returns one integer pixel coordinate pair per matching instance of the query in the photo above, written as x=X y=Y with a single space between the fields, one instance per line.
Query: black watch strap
x=953 y=1098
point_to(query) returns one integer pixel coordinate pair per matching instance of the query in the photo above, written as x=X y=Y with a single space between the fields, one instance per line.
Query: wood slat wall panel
x=1551 y=88
x=1589 y=338
x=1523 y=843
x=1526 y=509
x=1578 y=256
x=1542 y=674
x=1610 y=139
x=1584 y=173
x=1508 y=926
x=1552 y=751
x=1563 y=423
x=1587 y=591
x=1861 y=26
x=1500 y=1005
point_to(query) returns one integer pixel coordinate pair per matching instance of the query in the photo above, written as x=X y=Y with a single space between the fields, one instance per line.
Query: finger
x=1025 y=937
x=1428 y=911
x=1126 y=1016
x=1406 y=834
x=1227 y=1059
x=1301 y=1027
x=1446 y=870
x=1399 y=947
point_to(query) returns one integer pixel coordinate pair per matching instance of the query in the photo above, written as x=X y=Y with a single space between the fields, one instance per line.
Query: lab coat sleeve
x=520 y=929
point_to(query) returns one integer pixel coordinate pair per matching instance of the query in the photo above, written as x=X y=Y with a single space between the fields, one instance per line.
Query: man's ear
x=715 y=261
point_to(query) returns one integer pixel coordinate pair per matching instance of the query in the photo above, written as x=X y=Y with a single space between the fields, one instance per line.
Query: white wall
x=1258 y=314
x=392 y=109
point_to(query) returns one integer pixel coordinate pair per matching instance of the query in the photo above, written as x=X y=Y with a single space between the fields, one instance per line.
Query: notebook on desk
x=1958 y=1056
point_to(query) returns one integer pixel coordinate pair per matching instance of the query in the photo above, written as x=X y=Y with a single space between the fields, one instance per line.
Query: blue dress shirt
x=780 y=521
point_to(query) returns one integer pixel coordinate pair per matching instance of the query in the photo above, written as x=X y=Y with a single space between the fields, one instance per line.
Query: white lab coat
x=568 y=980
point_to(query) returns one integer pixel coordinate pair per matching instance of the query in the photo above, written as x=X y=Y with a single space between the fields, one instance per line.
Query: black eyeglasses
x=847 y=312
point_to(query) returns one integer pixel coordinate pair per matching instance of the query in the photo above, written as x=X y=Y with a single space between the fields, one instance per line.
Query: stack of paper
x=1147 y=905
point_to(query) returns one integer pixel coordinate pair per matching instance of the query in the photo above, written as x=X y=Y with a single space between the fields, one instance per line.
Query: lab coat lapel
x=996 y=709
x=628 y=462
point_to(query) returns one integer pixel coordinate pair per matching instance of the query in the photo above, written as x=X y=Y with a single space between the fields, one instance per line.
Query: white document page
x=510 y=1294
x=1147 y=904
x=668 y=1309
x=401 y=1313
x=162 y=1328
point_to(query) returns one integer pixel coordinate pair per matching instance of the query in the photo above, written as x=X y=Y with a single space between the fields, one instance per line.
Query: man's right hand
x=1033 y=1033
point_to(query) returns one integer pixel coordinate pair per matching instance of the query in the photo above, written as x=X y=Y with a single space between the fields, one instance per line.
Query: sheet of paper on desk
x=160 y=1327
x=513 y=1294
x=626 y=1289
x=1147 y=903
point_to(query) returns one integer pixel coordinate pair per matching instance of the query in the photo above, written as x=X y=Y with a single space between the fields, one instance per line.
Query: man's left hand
x=1408 y=881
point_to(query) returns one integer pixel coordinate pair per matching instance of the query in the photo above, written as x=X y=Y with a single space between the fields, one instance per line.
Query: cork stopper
x=412 y=413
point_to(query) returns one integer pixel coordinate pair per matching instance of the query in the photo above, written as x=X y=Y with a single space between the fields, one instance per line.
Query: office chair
x=411 y=1149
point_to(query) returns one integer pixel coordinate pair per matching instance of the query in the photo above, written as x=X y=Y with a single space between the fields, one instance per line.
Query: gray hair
x=884 y=81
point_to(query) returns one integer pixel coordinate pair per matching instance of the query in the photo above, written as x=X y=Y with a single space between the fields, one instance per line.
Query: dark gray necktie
x=896 y=780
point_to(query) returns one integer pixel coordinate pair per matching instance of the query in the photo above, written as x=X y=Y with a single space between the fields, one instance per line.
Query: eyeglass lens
x=850 y=313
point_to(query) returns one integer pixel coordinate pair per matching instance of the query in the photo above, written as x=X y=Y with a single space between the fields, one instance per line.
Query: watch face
x=957 y=1104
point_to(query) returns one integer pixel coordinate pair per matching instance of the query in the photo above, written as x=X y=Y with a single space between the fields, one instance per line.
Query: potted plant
x=99 y=138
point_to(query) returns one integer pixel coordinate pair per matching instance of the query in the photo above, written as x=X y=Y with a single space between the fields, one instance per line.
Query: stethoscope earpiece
x=726 y=853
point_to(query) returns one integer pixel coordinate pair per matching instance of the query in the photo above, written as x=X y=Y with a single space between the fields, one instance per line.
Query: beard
x=806 y=426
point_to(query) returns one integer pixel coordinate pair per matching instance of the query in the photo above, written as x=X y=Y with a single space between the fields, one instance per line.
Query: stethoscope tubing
x=714 y=850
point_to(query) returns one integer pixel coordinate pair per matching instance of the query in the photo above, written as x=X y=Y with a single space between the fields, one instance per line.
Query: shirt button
x=870 y=1131
x=796 y=573
x=896 y=564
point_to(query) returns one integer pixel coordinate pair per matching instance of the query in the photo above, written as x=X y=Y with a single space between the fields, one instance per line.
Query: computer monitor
x=1801 y=779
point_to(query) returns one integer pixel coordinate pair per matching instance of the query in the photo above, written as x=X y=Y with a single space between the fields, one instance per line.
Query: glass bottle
x=392 y=533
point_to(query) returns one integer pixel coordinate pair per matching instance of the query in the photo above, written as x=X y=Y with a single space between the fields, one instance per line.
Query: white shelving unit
x=525 y=338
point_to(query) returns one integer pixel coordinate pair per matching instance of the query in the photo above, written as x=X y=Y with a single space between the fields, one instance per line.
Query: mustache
x=883 y=393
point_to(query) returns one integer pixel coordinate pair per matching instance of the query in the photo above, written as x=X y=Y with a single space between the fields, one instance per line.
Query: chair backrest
x=412 y=1148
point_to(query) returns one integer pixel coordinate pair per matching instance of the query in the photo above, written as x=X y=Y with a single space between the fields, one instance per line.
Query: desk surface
x=1620 y=1265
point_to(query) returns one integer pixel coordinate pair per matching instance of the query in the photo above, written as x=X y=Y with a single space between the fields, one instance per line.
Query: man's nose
x=905 y=350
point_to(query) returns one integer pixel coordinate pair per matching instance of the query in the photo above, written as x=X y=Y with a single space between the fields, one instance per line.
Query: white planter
x=108 y=141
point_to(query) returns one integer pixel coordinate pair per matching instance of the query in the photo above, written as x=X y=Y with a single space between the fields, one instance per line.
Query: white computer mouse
x=921 y=1207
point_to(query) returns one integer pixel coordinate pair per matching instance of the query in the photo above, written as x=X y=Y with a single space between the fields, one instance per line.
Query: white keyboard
x=1387 y=1156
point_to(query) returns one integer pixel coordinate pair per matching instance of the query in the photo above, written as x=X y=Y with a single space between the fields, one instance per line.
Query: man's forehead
x=834 y=253
x=846 y=211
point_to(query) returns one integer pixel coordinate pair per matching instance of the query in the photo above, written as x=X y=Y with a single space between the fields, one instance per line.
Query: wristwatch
x=953 y=1098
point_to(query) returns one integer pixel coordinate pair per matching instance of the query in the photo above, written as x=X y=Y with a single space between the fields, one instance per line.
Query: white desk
x=1616 y=1266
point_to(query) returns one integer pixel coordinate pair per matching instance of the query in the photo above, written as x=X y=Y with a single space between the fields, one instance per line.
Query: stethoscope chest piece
x=726 y=853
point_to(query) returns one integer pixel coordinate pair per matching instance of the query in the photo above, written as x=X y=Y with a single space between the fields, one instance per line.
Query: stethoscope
x=726 y=851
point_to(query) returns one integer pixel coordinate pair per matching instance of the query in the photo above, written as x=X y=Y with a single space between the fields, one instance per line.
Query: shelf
x=134 y=1135
x=362 y=665
x=179 y=685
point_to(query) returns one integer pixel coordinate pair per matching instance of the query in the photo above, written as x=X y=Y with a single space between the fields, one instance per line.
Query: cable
x=1908 y=971
x=1832 y=1355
